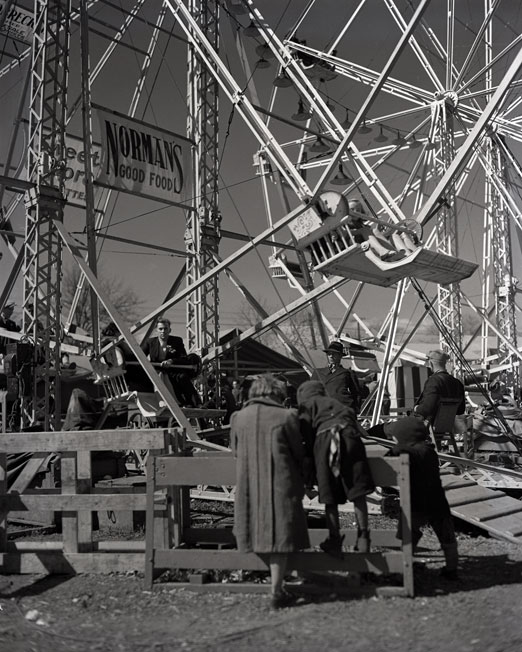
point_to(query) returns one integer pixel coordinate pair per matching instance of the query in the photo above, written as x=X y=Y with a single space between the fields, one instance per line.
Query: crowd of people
x=282 y=453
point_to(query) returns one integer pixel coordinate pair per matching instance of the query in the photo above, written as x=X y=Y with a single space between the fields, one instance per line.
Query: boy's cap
x=408 y=430
x=438 y=355
x=309 y=389
x=335 y=347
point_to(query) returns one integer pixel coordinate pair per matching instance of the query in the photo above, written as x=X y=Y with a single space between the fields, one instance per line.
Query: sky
x=369 y=42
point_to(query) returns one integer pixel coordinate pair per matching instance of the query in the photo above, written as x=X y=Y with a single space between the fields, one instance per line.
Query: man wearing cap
x=8 y=324
x=339 y=382
x=439 y=385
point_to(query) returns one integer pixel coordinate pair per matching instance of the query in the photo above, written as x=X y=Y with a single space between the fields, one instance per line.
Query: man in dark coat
x=8 y=324
x=439 y=385
x=429 y=504
x=167 y=351
x=339 y=382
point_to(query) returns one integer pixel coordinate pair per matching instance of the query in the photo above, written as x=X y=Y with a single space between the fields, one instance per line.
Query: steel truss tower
x=448 y=295
x=503 y=275
x=203 y=233
x=45 y=203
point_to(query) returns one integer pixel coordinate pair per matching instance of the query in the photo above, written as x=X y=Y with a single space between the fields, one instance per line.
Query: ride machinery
x=412 y=109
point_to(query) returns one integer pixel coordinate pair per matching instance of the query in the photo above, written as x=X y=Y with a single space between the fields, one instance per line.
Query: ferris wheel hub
x=449 y=97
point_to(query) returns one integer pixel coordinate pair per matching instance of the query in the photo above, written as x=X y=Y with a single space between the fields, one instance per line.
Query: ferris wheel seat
x=422 y=264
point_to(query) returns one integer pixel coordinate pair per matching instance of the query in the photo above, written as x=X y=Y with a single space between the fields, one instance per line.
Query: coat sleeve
x=233 y=434
x=429 y=399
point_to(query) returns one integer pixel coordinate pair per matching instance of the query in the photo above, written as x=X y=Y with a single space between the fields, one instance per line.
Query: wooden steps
x=489 y=509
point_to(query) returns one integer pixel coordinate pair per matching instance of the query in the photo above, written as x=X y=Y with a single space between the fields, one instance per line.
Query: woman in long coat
x=269 y=515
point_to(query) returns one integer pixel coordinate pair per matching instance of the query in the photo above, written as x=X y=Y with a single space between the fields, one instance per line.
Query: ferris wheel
x=411 y=109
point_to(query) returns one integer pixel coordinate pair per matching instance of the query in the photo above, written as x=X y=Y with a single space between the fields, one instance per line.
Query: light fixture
x=251 y=30
x=381 y=138
x=346 y=122
x=264 y=52
x=414 y=143
x=262 y=63
x=341 y=179
x=282 y=81
x=301 y=114
x=319 y=146
x=430 y=145
x=399 y=141
x=237 y=8
x=364 y=128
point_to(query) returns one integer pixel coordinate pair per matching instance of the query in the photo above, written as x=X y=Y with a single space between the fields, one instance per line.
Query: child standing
x=329 y=428
x=429 y=504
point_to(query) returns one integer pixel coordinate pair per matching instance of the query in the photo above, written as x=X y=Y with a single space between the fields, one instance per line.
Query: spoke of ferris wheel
x=490 y=65
x=462 y=155
x=332 y=125
x=280 y=315
x=475 y=45
x=417 y=49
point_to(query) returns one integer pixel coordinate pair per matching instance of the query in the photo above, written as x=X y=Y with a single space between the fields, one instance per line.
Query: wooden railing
x=176 y=473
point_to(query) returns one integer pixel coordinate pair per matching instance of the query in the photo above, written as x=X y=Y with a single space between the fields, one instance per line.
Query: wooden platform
x=489 y=509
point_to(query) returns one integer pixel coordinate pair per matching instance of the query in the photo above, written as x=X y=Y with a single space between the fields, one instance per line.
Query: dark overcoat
x=340 y=385
x=268 y=511
x=439 y=385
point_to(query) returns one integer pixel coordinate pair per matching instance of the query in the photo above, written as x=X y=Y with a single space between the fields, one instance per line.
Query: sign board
x=74 y=171
x=142 y=159
x=19 y=23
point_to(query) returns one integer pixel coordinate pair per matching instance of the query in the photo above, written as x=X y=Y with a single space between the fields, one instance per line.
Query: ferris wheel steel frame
x=207 y=71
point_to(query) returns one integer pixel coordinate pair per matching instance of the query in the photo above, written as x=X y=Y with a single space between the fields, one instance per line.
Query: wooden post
x=149 y=522
x=69 y=519
x=84 y=475
x=406 y=521
x=3 y=512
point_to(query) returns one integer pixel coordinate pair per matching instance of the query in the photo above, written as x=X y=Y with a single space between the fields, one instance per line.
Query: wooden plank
x=60 y=563
x=83 y=486
x=221 y=470
x=69 y=518
x=390 y=562
x=454 y=482
x=225 y=536
x=490 y=509
x=81 y=440
x=26 y=475
x=3 y=509
x=22 y=545
x=76 y=502
x=472 y=495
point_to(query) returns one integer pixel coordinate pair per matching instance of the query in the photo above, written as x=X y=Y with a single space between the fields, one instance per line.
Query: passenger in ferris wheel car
x=167 y=352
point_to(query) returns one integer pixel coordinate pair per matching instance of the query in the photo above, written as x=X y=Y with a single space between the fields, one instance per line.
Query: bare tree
x=124 y=298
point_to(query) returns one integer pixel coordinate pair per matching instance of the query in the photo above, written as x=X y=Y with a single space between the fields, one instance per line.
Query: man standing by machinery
x=8 y=324
x=440 y=384
x=339 y=382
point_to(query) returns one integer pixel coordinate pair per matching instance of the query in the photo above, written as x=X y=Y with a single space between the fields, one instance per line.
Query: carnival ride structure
x=413 y=109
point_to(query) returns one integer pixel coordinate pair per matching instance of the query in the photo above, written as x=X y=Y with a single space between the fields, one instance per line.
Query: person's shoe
x=451 y=574
x=333 y=546
x=281 y=600
x=363 y=541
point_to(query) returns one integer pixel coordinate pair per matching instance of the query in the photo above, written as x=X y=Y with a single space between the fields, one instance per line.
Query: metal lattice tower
x=45 y=202
x=202 y=233
x=503 y=278
x=447 y=242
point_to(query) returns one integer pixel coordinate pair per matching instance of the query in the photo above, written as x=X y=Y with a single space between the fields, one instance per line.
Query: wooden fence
x=177 y=472
x=76 y=499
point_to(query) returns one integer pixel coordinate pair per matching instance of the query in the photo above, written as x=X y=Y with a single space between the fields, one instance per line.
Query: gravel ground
x=480 y=611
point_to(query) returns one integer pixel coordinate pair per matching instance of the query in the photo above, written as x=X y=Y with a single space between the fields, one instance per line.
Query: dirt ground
x=481 y=611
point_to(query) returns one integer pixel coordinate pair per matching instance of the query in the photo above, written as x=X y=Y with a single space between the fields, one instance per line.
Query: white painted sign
x=19 y=24
x=141 y=159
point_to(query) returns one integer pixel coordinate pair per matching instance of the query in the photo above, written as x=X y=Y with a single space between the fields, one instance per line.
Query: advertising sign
x=19 y=23
x=141 y=159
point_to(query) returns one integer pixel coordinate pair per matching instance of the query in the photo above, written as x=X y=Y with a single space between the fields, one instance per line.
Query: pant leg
x=445 y=531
